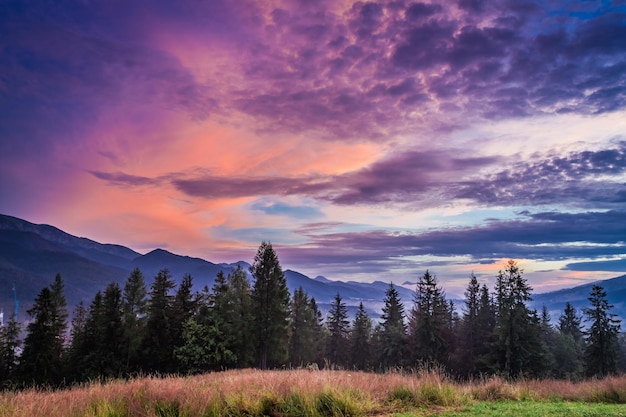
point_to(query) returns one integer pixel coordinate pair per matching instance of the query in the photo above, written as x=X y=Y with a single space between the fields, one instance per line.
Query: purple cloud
x=540 y=236
x=429 y=179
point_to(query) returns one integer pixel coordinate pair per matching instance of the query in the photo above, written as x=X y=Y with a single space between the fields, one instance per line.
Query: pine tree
x=392 y=350
x=320 y=335
x=183 y=308
x=429 y=322
x=270 y=299
x=135 y=305
x=518 y=348
x=158 y=349
x=486 y=332
x=111 y=346
x=97 y=348
x=470 y=337
x=60 y=314
x=549 y=344
x=570 y=322
x=241 y=318
x=602 y=349
x=302 y=330
x=360 y=340
x=76 y=352
x=41 y=362
x=231 y=311
x=9 y=345
x=338 y=328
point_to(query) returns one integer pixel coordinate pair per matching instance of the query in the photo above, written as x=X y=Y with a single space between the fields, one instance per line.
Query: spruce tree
x=470 y=338
x=519 y=349
x=9 y=345
x=429 y=322
x=231 y=311
x=41 y=362
x=135 y=305
x=239 y=299
x=392 y=336
x=602 y=349
x=338 y=328
x=76 y=352
x=570 y=323
x=485 y=330
x=183 y=308
x=270 y=300
x=360 y=340
x=569 y=345
x=111 y=348
x=157 y=346
x=549 y=345
x=302 y=330
x=319 y=333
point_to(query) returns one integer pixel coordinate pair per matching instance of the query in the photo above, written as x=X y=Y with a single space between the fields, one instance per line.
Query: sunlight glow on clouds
x=366 y=140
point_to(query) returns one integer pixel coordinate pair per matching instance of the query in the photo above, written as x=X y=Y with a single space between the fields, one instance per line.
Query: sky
x=365 y=140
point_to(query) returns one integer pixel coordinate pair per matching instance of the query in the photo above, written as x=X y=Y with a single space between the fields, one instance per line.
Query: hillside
x=31 y=255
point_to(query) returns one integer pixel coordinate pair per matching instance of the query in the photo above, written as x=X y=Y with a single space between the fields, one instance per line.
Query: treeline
x=237 y=324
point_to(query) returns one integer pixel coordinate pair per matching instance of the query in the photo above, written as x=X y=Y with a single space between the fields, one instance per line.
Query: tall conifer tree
x=392 y=342
x=338 y=328
x=302 y=330
x=519 y=348
x=9 y=344
x=360 y=340
x=135 y=304
x=430 y=319
x=158 y=349
x=41 y=362
x=270 y=299
x=602 y=349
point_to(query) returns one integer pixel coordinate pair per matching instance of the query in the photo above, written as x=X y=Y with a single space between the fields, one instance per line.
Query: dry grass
x=292 y=392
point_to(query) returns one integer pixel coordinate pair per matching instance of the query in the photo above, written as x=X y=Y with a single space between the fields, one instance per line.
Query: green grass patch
x=530 y=409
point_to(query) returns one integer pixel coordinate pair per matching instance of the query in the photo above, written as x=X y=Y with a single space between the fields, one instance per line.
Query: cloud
x=125 y=180
x=616 y=265
x=581 y=178
x=429 y=179
x=547 y=236
x=477 y=60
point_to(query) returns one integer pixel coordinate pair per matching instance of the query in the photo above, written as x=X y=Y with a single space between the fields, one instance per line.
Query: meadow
x=323 y=393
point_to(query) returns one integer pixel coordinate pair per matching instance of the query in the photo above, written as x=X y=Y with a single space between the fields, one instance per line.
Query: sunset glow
x=365 y=140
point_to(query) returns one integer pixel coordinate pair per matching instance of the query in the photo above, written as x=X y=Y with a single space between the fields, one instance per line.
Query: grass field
x=321 y=394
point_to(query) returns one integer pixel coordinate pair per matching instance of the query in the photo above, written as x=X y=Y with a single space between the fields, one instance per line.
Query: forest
x=166 y=329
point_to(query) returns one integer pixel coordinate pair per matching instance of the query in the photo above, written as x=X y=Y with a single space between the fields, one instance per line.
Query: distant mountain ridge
x=31 y=255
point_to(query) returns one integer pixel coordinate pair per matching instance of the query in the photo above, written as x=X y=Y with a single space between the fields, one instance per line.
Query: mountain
x=578 y=296
x=31 y=255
